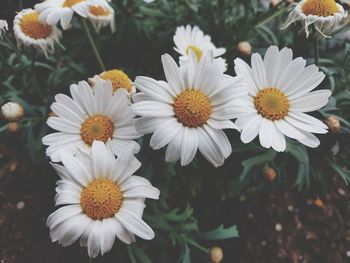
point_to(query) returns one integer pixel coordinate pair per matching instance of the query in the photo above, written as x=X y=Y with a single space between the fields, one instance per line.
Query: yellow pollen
x=272 y=104
x=70 y=3
x=97 y=127
x=196 y=50
x=192 y=108
x=320 y=7
x=98 y=11
x=118 y=78
x=32 y=27
x=100 y=199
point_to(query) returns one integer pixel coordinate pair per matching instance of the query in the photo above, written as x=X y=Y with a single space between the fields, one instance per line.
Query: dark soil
x=275 y=226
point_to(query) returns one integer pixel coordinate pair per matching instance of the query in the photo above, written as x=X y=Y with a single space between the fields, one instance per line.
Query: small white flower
x=188 y=39
x=190 y=110
x=54 y=11
x=119 y=79
x=3 y=27
x=101 y=200
x=30 y=31
x=279 y=92
x=92 y=114
x=101 y=16
x=324 y=15
x=12 y=111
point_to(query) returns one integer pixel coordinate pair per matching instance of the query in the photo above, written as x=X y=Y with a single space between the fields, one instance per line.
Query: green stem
x=317 y=51
x=93 y=45
x=90 y=260
x=199 y=247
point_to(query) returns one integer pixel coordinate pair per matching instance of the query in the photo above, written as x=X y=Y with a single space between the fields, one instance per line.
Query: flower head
x=3 y=27
x=101 y=200
x=30 y=31
x=118 y=78
x=12 y=111
x=279 y=92
x=324 y=15
x=101 y=16
x=190 y=110
x=189 y=38
x=92 y=114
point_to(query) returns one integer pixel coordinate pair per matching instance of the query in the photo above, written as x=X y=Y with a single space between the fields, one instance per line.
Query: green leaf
x=345 y=174
x=221 y=233
x=298 y=151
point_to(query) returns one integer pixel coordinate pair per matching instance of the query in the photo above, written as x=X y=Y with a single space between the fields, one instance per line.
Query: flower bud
x=244 y=48
x=269 y=173
x=216 y=254
x=13 y=127
x=333 y=124
x=12 y=111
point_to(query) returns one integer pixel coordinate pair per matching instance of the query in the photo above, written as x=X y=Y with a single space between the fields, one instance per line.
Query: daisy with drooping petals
x=188 y=38
x=3 y=27
x=119 y=79
x=101 y=16
x=92 y=114
x=101 y=199
x=190 y=110
x=279 y=92
x=30 y=31
x=324 y=15
x=54 y=11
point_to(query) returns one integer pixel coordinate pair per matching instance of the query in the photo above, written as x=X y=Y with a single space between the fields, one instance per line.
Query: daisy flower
x=101 y=16
x=279 y=92
x=119 y=79
x=54 y=11
x=324 y=15
x=30 y=31
x=190 y=110
x=92 y=114
x=101 y=200
x=188 y=38
x=3 y=27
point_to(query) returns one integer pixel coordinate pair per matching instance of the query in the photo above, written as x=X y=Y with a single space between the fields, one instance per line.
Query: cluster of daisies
x=99 y=124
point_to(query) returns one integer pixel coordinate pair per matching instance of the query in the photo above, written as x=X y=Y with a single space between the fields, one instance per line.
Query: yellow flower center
x=320 y=7
x=196 y=50
x=98 y=11
x=118 y=78
x=101 y=198
x=192 y=108
x=32 y=27
x=97 y=127
x=272 y=104
x=70 y=3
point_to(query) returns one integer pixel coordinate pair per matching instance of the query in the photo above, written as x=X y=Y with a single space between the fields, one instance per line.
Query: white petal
x=152 y=109
x=189 y=146
x=312 y=101
x=165 y=133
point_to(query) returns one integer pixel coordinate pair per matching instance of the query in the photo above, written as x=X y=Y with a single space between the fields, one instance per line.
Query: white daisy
x=3 y=27
x=190 y=110
x=92 y=114
x=30 y=31
x=279 y=94
x=101 y=16
x=188 y=38
x=53 y=11
x=119 y=79
x=101 y=200
x=324 y=15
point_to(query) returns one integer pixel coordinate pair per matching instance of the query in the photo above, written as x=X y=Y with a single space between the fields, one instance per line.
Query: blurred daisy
x=324 y=15
x=3 y=27
x=54 y=11
x=279 y=94
x=96 y=114
x=188 y=38
x=190 y=110
x=119 y=80
x=101 y=200
x=101 y=16
x=30 y=31
x=267 y=3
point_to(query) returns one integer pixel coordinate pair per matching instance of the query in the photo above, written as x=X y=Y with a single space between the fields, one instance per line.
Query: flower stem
x=317 y=51
x=93 y=45
x=90 y=260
